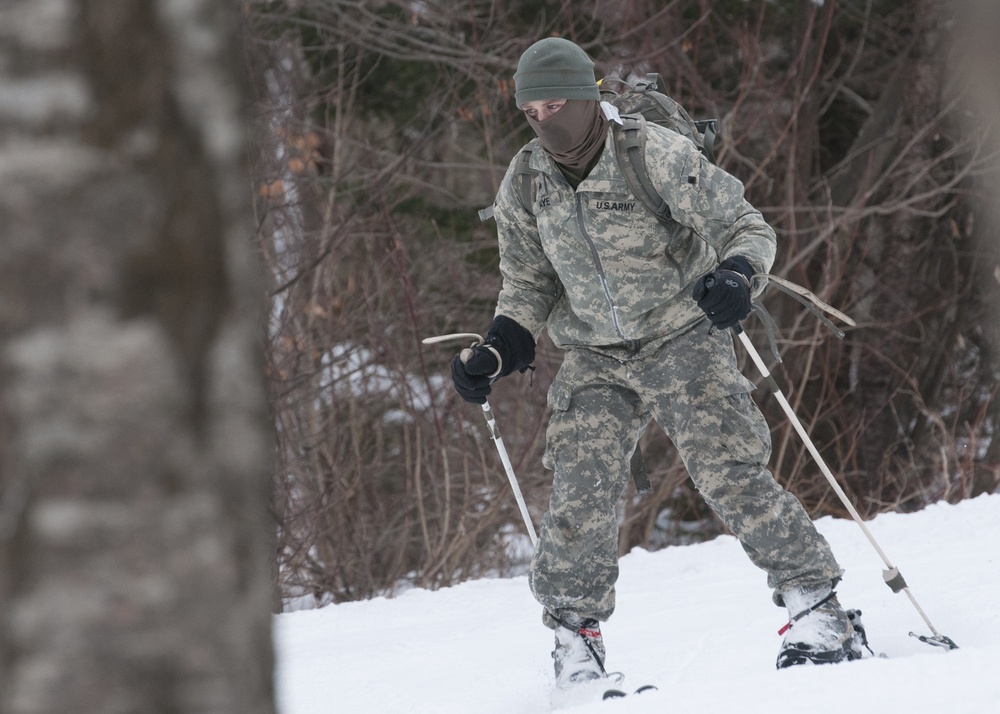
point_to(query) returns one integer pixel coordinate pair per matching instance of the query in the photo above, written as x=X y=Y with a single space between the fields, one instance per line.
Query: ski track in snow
x=695 y=620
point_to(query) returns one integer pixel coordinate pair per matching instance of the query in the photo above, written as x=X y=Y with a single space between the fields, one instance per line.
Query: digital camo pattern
x=599 y=269
x=612 y=284
x=693 y=389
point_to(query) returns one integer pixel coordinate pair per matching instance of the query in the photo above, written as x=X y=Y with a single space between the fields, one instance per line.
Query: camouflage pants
x=693 y=389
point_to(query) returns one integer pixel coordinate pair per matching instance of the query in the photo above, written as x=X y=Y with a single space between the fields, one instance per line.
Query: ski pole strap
x=802 y=295
x=796 y=618
x=810 y=301
x=769 y=326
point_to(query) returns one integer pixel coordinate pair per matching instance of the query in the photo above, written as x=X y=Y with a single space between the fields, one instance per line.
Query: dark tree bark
x=135 y=446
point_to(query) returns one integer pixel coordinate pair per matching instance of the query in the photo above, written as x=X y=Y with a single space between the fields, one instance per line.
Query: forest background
x=861 y=129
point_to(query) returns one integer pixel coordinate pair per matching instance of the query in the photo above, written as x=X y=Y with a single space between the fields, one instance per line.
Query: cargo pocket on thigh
x=718 y=415
x=711 y=386
x=561 y=431
x=745 y=433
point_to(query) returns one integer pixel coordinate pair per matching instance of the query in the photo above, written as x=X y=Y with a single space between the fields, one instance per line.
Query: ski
x=618 y=693
x=592 y=691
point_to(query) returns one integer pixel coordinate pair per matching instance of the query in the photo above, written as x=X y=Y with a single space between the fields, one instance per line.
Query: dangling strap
x=855 y=617
x=585 y=634
x=640 y=474
x=805 y=612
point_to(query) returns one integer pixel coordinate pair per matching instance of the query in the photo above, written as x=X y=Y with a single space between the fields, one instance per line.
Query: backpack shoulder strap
x=709 y=129
x=524 y=181
x=630 y=152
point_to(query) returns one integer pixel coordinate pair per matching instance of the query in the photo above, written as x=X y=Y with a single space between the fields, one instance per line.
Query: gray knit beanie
x=554 y=68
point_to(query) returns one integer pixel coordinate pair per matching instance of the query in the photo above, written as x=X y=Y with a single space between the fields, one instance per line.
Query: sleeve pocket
x=560 y=396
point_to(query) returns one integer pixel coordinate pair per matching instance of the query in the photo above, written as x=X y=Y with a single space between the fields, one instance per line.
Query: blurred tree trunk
x=974 y=78
x=889 y=355
x=135 y=446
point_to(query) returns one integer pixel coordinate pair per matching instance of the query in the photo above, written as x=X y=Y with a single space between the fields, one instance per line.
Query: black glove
x=513 y=344
x=724 y=294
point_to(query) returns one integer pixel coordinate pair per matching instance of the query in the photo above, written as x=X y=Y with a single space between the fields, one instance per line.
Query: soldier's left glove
x=724 y=294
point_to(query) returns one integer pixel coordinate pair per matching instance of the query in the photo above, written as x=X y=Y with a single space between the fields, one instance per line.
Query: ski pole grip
x=709 y=284
x=466 y=354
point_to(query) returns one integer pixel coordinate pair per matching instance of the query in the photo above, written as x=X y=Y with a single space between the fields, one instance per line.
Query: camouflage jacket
x=599 y=270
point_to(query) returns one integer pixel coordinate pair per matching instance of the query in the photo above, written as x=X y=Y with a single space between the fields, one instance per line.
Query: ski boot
x=579 y=652
x=820 y=631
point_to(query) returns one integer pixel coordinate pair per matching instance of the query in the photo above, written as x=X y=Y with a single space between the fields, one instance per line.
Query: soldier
x=641 y=309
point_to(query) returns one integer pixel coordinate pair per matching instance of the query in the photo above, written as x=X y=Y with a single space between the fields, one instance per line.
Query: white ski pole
x=491 y=422
x=893 y=578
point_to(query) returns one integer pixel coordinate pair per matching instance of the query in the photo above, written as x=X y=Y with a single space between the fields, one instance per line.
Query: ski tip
x=618 y=693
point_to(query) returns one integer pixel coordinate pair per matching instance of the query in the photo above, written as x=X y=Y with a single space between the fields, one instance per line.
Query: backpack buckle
x=652 y=82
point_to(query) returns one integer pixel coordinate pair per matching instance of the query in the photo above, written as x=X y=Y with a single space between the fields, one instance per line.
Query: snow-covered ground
x=696 y=620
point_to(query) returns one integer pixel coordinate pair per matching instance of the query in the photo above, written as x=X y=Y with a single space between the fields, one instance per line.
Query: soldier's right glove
x=724 y=294
x=507 y=347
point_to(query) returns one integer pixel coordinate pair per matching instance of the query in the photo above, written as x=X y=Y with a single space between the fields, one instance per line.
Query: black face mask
x=574 y=135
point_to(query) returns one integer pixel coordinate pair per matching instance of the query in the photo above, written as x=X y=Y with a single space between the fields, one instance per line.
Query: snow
x=696 y=620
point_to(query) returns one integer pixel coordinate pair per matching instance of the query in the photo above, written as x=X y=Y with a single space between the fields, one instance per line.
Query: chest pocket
x=645 y=240
x=611 y=206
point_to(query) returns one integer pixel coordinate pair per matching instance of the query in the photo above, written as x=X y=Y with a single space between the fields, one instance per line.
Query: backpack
x=637 y=105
